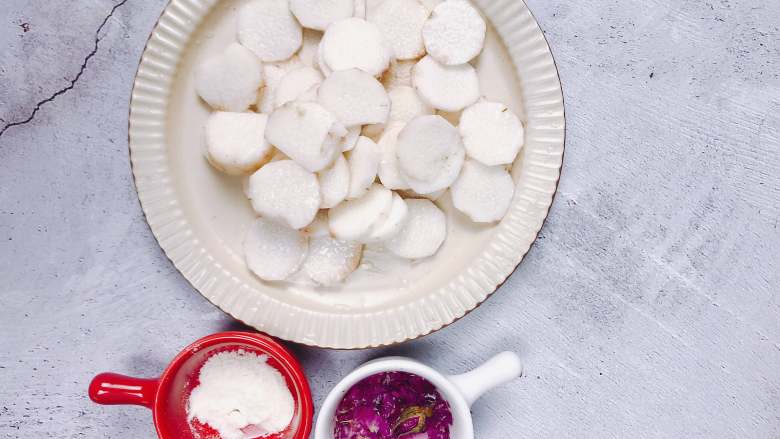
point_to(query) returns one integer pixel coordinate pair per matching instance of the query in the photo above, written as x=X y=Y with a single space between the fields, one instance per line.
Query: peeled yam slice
x=353 y=220
x=430 y=153
x=363 y=166
x=230 y=80
x=334 y=183
x=274 y=251
x=319 y=14
x=307 y=133
x=455 y=32
x=235 y=142
x=448 y=88
x=296 y=84
x=393 y=223
x=331 y=260
x=355 y=98
x=268 y=28
x=320 y=64
x=354 y=43
x=484 y=193
x=389 y=173
x=491 y=132
x=401 y=23
x=285 y=192
x=423 y=232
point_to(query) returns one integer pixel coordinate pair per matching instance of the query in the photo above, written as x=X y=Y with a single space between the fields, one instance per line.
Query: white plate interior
x=200 y=215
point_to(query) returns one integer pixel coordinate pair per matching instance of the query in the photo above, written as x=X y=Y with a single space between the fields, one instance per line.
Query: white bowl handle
x=499 y=370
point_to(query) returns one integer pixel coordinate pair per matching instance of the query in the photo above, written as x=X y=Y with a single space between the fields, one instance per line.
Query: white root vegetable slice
x=354 y=43
x=353 y=220
x=363 y=166
x=422 y=234
x=491 y=133
x=355 y=97
x=230 y=80
x=319 y=14
x=268 y=28
x=484 y=193
x=401 y=23
x=305 y=132
x=393 y=223
x=331 y=260
x=350 y=140
x=296 y=84
x=389 y=173
x=320 y=64
x=334 y=183
x=235 y=142
x=430 y=153
x=448 y=88
x=455 y=32
x=285 y=192
x=274 y=251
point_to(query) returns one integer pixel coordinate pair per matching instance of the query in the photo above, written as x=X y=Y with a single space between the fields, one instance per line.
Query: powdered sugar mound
x=240 y=392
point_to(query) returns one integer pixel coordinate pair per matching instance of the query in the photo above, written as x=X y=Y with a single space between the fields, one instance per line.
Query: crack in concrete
x=73 y=81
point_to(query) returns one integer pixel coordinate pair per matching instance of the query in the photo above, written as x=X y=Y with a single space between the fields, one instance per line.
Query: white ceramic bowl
x=461 y=391
x=199 y=216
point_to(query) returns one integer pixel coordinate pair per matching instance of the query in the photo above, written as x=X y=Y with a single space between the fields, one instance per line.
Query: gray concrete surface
x=648 y=308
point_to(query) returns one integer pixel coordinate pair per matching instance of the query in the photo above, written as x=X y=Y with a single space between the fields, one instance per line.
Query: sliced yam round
x=492 y=133
x=423 y=232
x=331 y=260
x=353 y=220
x=399 y=74
x=334 y=183
x=285 y=192
x=320 y=64
x=363 y=165
x=268 y=28
x=393 y=223
x=274 y=251
x=235 y=142
x=484 y=193
x=354 y=43
x=355 y=98
x=305 y=132
x=448 y=88
x=350 y=140
x=296 y=84
x=401 y=23
x=319 y=14
x=430 y=153
x=455 y=32
x=229 y=81
x=389 y=173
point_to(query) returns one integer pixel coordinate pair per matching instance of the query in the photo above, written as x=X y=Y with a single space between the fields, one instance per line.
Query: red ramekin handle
x=112 y=388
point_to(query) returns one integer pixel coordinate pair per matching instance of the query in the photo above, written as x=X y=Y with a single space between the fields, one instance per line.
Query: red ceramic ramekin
x=167 y=396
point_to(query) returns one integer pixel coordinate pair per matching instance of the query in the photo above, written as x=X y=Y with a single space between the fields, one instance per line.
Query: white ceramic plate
x=199 y=215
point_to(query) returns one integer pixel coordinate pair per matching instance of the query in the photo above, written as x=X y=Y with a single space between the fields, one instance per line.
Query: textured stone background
x=649 y=306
